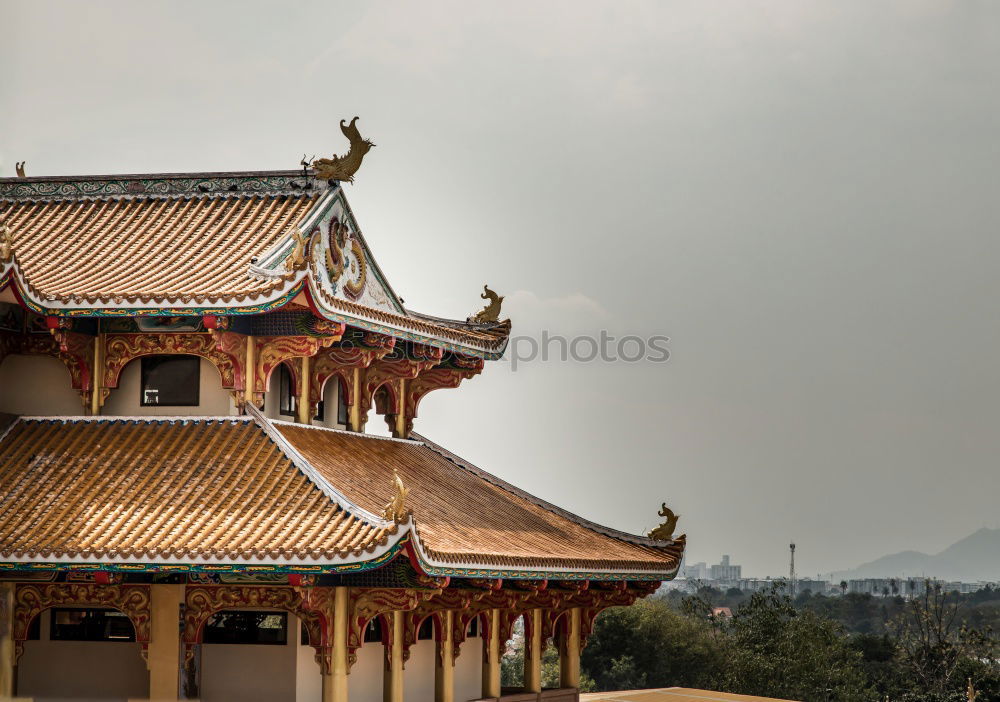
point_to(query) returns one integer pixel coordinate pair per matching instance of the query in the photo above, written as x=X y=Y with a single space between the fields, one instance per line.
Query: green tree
x=650 y=644
x=937 y=647
x=774 y=650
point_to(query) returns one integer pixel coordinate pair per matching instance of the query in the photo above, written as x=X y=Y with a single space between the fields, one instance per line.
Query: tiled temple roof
x=468 y=518
x=248 y=490
x=187 y=489
x=183 y=251
x=194 y=243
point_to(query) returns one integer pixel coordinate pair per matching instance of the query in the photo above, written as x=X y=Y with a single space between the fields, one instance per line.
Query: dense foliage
x=816 y=649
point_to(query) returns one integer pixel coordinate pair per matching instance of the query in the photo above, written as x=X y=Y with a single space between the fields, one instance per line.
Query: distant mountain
x=976 y=557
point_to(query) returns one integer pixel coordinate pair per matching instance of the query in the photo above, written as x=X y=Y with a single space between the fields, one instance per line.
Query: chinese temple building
x=190 y=506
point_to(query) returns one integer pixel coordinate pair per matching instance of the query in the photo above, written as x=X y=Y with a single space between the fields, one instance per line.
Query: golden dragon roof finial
x=396 y=509
x=665 y=532
x=297 y=258
x=490 y=313
x=344 y=167
x=6 y=240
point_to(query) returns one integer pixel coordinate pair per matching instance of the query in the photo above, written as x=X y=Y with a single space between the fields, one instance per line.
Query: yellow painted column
x=304 y=413
x=392 y=682
x=400 y=431
x=569 y=659
x=491 y=665
x=444 y=670
x=164 y=654
x=98 y=375
x=533 y=652
x=356 y=401
x=250 y=373
x=335 y=683
x=7 y=672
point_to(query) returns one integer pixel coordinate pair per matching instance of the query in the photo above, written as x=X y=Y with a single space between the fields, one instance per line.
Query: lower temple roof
x=246 y=490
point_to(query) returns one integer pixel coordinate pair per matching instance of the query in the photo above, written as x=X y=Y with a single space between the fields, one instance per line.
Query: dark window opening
x=239 y=627
x=473 y=628
x=170 y=381
x=373 y=632
x=91 y=625
x=35 y=628
x=320 y=412
x=426 y=630
x=341 y=406
x=286 y=403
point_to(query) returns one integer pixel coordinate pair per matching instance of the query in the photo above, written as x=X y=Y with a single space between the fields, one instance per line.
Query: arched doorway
x=81 y=653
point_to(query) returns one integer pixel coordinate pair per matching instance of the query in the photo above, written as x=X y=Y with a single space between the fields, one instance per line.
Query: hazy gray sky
x=803 y=195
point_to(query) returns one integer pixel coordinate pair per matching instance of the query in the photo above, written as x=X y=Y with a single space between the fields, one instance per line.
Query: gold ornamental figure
x=490 y=313
x=665 y=532
x=344 y=167
x=396 y=510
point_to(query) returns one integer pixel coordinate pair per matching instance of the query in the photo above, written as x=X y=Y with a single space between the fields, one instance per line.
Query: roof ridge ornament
x=6 y=241
x=344 y=167
x=297 y=258
x=490 y=313
x=396 y=510
x=19 y=168
x=665 y=532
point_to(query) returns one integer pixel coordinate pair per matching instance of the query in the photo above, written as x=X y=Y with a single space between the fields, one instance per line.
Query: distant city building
x=726 y=572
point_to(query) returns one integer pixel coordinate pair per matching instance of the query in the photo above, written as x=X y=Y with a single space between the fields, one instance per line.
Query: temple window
x=244 y=627
x=426 y=630
x=341 y=405
x=373 y=632
x=90 y=625
x=286 y=404
x=170 y=381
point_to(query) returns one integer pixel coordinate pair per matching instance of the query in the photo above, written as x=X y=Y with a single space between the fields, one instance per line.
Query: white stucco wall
x=248 y=672
x=214 y=400
x=364 y=684
x=84 y=671
x=308 y=679
x=37 y=385
x=418 y=675
x=469 y=670
x=331 y=391
x=272 y=398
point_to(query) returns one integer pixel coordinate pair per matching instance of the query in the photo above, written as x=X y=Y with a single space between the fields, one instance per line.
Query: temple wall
x=81 y=670
x=215 y=401
x=418 y=675
x=364 y=684
x=37 y=385
x=308 y=681
x=469 y=671
x=330 y=393
x=272 y=399
x=248 y=672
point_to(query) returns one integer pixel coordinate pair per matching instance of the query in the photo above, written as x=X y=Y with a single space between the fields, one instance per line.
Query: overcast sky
x=804 y=196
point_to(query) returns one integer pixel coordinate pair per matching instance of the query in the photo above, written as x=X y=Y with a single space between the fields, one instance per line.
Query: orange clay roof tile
x=192 y=489
x=143 y=249
x=465 y=516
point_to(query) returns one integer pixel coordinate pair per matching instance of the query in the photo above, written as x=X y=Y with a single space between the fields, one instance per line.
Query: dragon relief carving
x=490 y=313
x=665 y=532
x=344 y=167
x=344 y=253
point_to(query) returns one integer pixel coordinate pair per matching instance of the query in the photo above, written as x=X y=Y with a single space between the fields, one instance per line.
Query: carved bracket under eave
x=225 y=350
x=270 y=351
x=32 y=599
